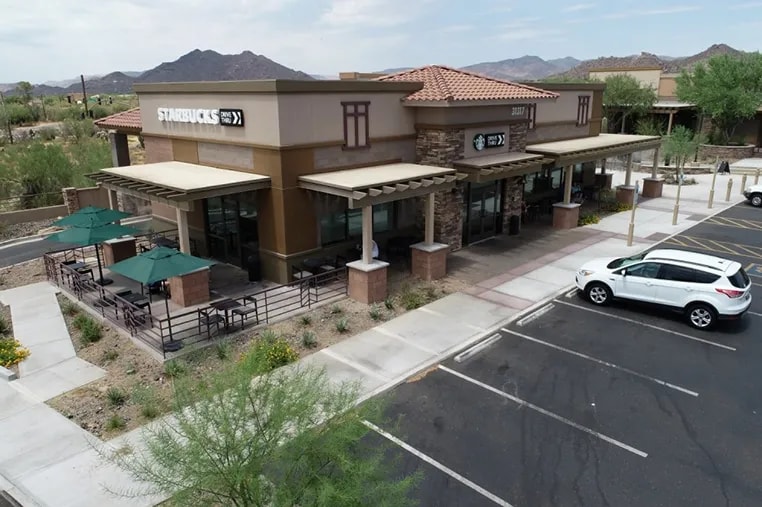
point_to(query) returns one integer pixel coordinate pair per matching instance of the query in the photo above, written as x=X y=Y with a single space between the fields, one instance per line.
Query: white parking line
x=755 y=314
x=436 y=464
x=536 y=314
x=541 y=410
x=604 y=363
x=641 y=323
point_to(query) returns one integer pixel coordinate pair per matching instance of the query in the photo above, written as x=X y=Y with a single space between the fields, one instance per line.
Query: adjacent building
x=275 y=173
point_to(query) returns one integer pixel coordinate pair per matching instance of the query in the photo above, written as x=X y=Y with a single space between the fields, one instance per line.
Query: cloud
x=359 y=13
x=653 y=12
x=456 y=28
x=578 y=7
x=530 y=33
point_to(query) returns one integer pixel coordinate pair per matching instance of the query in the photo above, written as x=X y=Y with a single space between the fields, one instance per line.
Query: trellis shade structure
x=159 y=264
x=586 y=149
x=90 y=215
x=504 y=165
x=367 y=186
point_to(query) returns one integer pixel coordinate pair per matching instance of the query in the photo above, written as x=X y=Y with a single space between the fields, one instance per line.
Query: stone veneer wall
x=441 y=147
x=710 y=153
x=513 y=197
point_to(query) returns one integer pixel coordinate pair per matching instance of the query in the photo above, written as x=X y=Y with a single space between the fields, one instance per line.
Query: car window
x=740 y=279
x=704 y=277
x=645 y=270
x=626 y=261
x=677 y=273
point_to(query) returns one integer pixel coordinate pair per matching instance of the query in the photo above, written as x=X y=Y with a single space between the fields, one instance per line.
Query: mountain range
x=209 y=65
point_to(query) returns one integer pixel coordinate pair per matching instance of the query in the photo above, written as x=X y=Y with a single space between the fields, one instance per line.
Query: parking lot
x=579 y=405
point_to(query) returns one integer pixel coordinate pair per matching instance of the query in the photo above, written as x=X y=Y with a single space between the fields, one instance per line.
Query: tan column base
x=653 y=187
x=116 y=250
x=565 y=216
x=367 y=282
x=625 y=194
x=191 y=289
x=430 y=260
x=604 y=180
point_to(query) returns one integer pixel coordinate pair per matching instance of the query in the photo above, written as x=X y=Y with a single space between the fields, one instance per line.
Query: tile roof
x=452 y=85
x=129 y=119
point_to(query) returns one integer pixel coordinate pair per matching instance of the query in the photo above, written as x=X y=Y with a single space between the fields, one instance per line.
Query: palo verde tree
x=681 y=145
x=24 y=90
x=726 y=88
x=253 y=437
x=625 y=95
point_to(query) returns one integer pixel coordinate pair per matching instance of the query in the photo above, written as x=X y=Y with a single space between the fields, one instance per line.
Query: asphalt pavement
x=579 y=405
x=28 y=250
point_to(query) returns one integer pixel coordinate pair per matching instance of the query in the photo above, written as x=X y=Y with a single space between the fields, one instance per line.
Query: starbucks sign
x=493 y=140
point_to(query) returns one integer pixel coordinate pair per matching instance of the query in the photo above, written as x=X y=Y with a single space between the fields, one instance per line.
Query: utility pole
x=84 y=95
x=7 y=118
x=44 y=113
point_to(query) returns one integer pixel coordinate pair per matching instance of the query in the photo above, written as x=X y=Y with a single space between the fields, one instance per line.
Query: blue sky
x=46 y=39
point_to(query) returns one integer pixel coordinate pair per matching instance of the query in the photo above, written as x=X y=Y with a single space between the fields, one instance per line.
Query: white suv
x=754 y=195
x=704 y=287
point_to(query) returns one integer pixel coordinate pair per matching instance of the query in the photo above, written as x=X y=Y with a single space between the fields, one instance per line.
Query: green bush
x=175 y=368
x=47 y=133
x=342 y=325
x=91 y=332
x=336 y=310
x=268 y=336
x=11 y=352
x=110 y=355
x=5 y=328
x=411 y=299
x=389 y=303
x=223 y=350
x=69 y=308
x=116 y=397
x=306 y=320
x=115 y=422
x=375 y=312
x=588 y=218
x=148 y=401
x=272 y=353
x=309 y=340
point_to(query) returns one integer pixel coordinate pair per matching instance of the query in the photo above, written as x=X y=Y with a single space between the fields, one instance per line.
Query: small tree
x=249 y=437
x=680 y=145
x=726 y=88
x=625 y=94
x=24 y=89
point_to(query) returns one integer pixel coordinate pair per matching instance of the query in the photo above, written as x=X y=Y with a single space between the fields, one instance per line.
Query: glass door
x=484 y=210
x=232 y=234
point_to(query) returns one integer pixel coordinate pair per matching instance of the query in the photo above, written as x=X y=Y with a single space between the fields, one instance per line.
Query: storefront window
x=556 y=178
x=347 y=224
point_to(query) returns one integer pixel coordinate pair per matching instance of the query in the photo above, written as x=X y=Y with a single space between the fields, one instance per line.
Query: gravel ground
x=132 y=371
x=22 y=274
x=22 y=230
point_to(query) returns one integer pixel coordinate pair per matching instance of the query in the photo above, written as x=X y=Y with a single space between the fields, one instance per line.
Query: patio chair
x=208 y=319
x=246 y=310
x=298 y=273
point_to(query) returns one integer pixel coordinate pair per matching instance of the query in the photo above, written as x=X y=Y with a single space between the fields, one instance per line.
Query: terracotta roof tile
x=129 y=119
x=452 y=85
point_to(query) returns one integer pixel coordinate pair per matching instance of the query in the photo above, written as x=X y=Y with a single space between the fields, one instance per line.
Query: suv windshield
x=740 y=279
x=625 y=261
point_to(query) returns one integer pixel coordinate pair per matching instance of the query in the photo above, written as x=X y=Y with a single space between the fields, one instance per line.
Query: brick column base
x=367 y=282
x=652 y=187
x=191 y=289
x=116 y=250
x=625 y=194
x=565 y=216
x=604 y=180
x=429 y=261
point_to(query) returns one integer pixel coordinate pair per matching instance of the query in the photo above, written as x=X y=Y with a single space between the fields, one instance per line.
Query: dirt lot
x=22 y=274
x=146 y=385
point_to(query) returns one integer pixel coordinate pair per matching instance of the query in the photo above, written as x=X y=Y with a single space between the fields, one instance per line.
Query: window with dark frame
x=532 y=115
x=356 y=125
x=583 y=110
x=346 y=225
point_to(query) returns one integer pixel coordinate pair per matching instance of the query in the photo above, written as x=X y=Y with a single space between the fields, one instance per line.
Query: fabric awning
x=588 y=149
x=178 y=182
x=382 y=183
x=504 y=165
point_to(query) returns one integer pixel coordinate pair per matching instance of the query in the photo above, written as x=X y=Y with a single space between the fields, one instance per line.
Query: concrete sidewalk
x=48 y=461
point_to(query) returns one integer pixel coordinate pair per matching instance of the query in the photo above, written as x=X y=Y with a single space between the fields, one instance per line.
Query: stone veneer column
x=71 y=199
x=513 y=197
x=441 y=147
x=367 y=282
x=191 y=289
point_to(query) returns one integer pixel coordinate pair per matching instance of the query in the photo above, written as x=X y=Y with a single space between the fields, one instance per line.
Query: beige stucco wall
x=318 y=118
x=667 y=87
x=226 y=155
x=557 y=131
x=645 y=77
x=402 y=150
x=260 y=114
x=564 y=109
x=469 y=115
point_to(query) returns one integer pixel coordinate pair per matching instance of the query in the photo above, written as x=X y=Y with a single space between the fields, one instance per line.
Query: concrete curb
x=38 y=237
x=6 y=374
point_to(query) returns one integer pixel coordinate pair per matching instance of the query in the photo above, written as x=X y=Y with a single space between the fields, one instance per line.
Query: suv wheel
x=756 y=200
x=598 y=293
x=701 y=316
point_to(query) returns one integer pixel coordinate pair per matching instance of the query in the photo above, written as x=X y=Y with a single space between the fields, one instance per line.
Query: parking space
x=581 y=405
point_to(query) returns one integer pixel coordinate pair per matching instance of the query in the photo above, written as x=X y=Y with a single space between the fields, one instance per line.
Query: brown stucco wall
x=395 y=150
x=158 y=149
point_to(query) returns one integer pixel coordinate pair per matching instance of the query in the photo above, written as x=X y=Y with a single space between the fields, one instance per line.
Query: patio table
x=138 y=300
x=225 y=305
x=164 y=241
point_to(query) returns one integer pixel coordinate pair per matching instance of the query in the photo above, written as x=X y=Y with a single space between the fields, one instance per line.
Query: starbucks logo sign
x=494 y=140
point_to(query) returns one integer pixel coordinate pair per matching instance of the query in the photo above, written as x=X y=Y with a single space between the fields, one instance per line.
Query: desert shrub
x=389 y=303
x=148 y=400
x=116 y=397
x=342 y=325
x=175 y=368
x=110 y=355
x=223 y=350
x=309 y=340
x=336 y=310
x=375 y=312
x=410 y=299
x=91 y=332
x=11 y=352
x=69 y=308
x=305 y=320
x=588 y=218
x=115 y=422
x=5 y=328
x=268 y=335
x=272 y=353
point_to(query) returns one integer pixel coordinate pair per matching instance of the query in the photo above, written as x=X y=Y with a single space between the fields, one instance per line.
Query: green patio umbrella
x=159 y=264
x=93 y=234
x=90 y=215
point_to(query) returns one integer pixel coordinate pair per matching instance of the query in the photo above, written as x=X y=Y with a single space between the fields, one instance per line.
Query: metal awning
x=178 y=183
x=588 y=149
x=504 y=165
x=672 y=106
x=382 y=183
